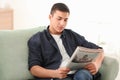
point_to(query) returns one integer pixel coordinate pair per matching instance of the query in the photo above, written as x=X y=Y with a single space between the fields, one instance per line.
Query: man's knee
x=83 y=75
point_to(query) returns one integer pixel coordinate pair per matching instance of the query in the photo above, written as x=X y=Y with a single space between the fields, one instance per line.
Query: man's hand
x=92 y=67
x=61 y=72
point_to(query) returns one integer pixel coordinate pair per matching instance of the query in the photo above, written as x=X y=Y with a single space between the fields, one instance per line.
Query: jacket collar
x=49 y=35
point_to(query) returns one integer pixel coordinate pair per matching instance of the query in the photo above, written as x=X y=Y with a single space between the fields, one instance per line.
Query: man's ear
x=50 y=16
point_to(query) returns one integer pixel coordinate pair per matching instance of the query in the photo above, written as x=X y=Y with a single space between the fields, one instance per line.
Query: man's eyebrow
x=62 y=17
x=59 y=17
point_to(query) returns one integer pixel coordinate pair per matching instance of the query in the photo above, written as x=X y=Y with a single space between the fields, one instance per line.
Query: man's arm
x=94 y=66
x=35 y=60
x=49 y=73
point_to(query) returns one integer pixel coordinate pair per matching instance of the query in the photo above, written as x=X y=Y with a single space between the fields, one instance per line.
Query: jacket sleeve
x=34 y=51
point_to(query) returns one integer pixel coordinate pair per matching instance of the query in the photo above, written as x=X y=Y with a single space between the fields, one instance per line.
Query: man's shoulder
x=73 y=33
x=38 y=33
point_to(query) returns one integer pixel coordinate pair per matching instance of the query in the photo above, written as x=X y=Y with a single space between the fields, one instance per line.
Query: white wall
x=97 y=20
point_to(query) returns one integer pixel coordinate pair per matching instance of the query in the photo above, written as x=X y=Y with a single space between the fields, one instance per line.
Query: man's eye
x=59 y=18
x=65 y=20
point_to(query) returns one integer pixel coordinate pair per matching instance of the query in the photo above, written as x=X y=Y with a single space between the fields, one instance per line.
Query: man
x=54 y=46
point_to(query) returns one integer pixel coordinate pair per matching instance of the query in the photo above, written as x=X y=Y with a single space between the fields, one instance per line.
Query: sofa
x=14 y=56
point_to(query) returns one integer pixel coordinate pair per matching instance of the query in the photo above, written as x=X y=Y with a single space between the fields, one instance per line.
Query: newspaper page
x=81 y=57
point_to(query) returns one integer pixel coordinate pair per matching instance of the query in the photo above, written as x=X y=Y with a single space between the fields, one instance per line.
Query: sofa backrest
x=14 y=53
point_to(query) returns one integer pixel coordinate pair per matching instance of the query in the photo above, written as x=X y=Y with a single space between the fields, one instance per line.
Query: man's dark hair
x=59 y=6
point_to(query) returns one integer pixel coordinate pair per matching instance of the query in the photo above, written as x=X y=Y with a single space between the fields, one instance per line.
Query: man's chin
x=60 y=31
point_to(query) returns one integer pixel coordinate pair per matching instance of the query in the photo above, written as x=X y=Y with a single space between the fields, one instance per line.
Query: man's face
x=58 y=21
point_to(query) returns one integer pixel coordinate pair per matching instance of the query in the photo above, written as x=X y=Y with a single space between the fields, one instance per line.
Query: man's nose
x=62 y=22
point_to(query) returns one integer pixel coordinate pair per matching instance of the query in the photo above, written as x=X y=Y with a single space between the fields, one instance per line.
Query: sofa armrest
x=109 y=68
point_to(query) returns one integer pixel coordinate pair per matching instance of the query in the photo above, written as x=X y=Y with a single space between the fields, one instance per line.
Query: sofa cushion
x=14 y=53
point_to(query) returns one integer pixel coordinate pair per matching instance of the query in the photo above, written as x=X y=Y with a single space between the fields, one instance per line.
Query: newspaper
x=81 y=57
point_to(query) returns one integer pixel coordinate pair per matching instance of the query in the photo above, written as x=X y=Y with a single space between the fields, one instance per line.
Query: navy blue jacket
x=43 y=49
